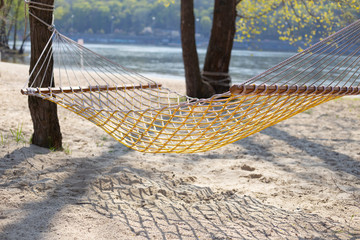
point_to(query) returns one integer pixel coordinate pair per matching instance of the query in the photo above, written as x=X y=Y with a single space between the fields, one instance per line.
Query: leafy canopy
x=294 y=20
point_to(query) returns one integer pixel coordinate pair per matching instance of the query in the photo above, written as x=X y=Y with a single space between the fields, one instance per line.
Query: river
x=166 y=62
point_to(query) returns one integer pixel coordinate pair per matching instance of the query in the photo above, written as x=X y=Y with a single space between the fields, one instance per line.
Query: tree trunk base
x=46 y=135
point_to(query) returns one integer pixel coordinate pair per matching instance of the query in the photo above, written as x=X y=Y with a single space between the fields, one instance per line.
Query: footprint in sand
x=247 y=168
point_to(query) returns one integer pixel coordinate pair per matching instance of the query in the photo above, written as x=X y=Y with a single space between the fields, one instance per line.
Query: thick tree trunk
x=195 y=87
x=43 y=113
x=217 y=60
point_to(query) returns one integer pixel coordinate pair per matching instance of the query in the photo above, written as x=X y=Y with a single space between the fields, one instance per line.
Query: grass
x=18 y=134
x=309 y=111
x=67 y=150
x=2 y=139
x=52 y=149
x=181 y=99
x=104 y=138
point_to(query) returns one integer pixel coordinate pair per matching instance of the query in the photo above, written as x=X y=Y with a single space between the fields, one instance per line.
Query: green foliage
x=11 y=15
x=298 y=21
x=89 y=31
x=166 y=2
x=294 y=21
x=205 y=24
x=126 y=16
x=62 y=10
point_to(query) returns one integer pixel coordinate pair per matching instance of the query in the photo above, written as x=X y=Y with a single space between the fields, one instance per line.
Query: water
x=166 y=62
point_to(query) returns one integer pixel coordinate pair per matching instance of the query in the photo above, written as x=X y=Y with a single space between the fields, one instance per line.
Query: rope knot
x=51 y=27
x=40 y=6
x=224 y=81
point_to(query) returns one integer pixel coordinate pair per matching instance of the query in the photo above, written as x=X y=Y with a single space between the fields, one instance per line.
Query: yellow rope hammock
x=146 y=117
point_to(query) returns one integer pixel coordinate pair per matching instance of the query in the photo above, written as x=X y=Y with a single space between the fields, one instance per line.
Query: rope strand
x=43 y=7
x=33 y=4
x=51 y=27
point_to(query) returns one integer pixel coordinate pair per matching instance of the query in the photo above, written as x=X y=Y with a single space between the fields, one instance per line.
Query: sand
x=299 y=179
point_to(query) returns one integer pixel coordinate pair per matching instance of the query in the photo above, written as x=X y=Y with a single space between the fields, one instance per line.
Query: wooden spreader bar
x=96 y=88
x=235 y=89
x=253 y=89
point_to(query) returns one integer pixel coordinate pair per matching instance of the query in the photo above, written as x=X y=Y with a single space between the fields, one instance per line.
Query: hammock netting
x=147 y=117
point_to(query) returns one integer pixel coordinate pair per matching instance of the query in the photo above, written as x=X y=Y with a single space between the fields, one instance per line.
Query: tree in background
x=218 y=55
x=15 y=21
x=11 y=20
x=4 y=21
x=214 y=77
x=126 y=16
x=298 y=21
x=43 y=113
x=194 y=85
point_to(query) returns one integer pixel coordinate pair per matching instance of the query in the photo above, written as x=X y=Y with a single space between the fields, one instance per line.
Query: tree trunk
x=3 y=36
x=16 y=23
x=21 y=50
x=43 y=113
x=217 y=60
x=195 y=87
x=15 y=36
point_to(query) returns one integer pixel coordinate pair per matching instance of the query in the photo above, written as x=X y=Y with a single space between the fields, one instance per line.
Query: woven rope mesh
x=146 y=117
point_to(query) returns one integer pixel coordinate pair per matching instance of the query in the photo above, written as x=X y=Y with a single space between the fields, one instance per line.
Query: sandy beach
x=299 y=179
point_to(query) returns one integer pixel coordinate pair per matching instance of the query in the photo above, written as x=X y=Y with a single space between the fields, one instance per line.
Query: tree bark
x=43 y=113
x=218 y=55
x=195 y=87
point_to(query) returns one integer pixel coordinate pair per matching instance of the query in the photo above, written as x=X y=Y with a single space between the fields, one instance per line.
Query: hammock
x=147 y=117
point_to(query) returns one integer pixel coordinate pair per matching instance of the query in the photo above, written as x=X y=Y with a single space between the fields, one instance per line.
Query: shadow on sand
x=150 y=204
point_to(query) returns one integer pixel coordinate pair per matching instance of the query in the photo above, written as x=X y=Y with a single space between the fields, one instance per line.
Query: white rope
x=222 y=74
x=218 y=82
x=41 y=55
x=43 y=9
x=51 y=27
x=41 y=6
x=47 y=6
